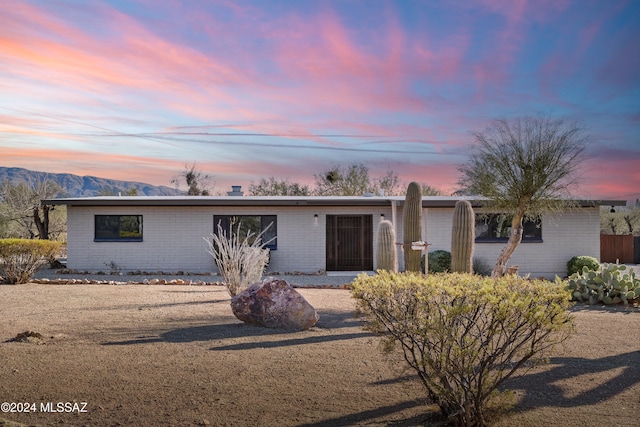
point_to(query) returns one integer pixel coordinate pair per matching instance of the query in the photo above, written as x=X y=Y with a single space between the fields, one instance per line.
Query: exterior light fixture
x=613 y=210
x=382 y=217
x=315 y=219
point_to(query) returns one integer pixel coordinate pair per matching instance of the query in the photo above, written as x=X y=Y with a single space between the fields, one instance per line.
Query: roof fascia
x=427 y=202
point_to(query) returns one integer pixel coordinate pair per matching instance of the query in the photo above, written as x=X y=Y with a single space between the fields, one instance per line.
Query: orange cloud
x=55 y=160
x=137 y=60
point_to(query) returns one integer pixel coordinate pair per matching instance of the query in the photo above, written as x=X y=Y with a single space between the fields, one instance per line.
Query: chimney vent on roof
x=236 y=190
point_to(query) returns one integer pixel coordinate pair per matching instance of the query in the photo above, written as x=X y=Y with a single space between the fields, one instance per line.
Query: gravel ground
x=336 y=279
x=300 y=280
x=176 y=356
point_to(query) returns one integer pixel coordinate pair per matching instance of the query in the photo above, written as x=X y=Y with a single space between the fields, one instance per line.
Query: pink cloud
x=334 y=73
x=445 y=64
x=22 y=131
x=517 y=11
x=622 y=64
x=592 y=30
x=494 y=70
x=323 y=60
x=136 y=61
x=56 y=160
x=606 y=178
x=299 y=76
x=613 y=177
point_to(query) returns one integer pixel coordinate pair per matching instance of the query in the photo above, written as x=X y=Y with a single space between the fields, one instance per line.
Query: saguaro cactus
x=387 y=255
x=463 y=237
x=412 y=226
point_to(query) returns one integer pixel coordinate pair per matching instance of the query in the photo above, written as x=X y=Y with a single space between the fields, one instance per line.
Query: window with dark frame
x=246 y=224
x=497 y=228
x=118 y=228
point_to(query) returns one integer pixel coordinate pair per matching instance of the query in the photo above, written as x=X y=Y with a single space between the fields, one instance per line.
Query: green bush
x=464 y=334
x=439 y=262
x=609 y=285
x=21 y=258
x=576 y=264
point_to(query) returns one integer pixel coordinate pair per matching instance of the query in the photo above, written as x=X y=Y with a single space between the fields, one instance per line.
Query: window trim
x=265 y=220
x=536 y=238
x=120 y=238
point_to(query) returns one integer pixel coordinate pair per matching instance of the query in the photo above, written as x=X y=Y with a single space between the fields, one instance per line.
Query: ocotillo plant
x=412 y=226
x=462 y=237
x=387 y=255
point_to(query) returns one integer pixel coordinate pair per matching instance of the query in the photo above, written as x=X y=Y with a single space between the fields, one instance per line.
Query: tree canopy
x=354 y=180
x=198 y=183
x=427 y=190
x=277 y=187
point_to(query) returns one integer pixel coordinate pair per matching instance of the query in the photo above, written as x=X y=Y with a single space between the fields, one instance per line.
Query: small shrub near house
x=439 y=261
x=610 y=284
x=577 y=264
x=20 y=259
x=464 y=334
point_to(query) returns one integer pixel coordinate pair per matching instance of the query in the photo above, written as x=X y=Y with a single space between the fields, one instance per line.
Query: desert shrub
x=21 y=258
x=241 y=261
x=609 y=285
x=439 y=262
x=482 y=267
x=464 y=334
x=576 y=264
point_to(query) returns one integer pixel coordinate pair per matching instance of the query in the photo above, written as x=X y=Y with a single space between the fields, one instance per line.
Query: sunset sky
x=136 y=90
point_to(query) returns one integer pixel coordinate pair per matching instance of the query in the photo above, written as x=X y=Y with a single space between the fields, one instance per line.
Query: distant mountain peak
x=86 y=186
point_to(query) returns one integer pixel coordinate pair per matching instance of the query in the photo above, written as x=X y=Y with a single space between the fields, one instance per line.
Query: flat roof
x=427 y=201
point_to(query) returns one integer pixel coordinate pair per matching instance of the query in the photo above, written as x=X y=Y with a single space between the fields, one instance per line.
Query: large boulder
x=274 y=304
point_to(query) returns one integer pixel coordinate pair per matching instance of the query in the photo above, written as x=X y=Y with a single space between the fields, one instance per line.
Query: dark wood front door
x=349 y=242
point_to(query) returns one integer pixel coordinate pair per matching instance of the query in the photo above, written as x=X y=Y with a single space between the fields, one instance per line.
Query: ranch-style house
x=310 y=233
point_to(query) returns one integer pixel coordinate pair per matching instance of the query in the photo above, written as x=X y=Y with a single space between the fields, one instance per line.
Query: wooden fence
x=624 y=249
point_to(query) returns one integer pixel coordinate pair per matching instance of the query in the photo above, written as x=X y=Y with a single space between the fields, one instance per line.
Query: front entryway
x=349 y=242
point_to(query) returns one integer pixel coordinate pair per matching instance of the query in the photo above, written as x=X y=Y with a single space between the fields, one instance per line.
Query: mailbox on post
x=419 y=246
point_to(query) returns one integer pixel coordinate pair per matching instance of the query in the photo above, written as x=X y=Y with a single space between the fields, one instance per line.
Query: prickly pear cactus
x=463 y=237
x=412 y=226
x=387 y=255
x=612 y=284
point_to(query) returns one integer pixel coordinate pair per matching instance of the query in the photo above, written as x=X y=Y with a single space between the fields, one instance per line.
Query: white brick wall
x=564 y=236
x=173 y=238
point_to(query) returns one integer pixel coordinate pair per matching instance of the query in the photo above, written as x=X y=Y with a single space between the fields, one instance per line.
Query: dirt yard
x=141 y=355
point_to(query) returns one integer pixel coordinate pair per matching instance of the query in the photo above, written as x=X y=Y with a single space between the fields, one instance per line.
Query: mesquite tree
x=354 y=180
x=525 y=168
x=22 y=203
x=277 y=187
x=198 y=182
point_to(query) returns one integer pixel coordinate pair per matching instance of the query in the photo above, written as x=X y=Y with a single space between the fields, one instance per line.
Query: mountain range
x=86 y=186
